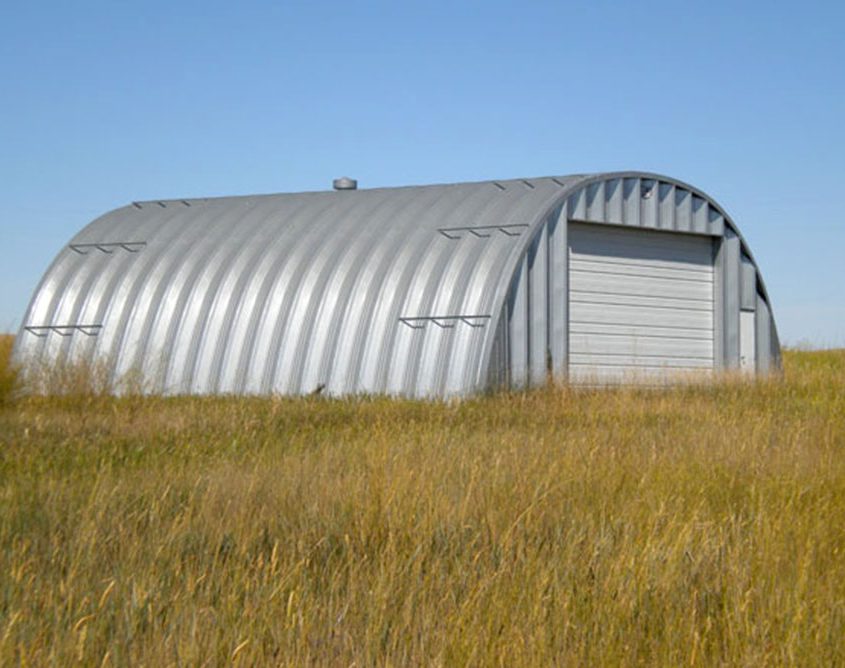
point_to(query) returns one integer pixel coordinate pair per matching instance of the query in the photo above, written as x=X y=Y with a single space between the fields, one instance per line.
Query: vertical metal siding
x=731 y=288
x=559 y=292
x=683 y=209
x=719 y=304
x=631 y=206
x=648 y=204
x=666 y=194
x=748 y=285
x=766 y=354
x=614 y=201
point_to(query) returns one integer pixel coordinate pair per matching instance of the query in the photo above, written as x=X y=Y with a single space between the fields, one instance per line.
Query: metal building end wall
x=631 y=200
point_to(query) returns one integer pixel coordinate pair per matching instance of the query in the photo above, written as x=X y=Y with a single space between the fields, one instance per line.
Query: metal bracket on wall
x=63 y=330
x=482 y=231
x=109 y=248
x=445 y=321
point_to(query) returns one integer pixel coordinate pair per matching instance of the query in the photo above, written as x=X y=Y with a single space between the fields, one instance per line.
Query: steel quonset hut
x=424 y=291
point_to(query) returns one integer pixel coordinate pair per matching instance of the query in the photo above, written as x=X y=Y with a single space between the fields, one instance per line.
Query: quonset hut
x=424 y=291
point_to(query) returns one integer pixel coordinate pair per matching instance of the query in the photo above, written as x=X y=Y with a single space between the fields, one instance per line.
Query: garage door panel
x=676 y=272
x=641 y=303
x=626 y=329
x=621 y=254
x=652 y=361
x=699 y=266
x=640 y=316
x=656 y=302
x=642 y=345
x=590 y=282
x=620 y=245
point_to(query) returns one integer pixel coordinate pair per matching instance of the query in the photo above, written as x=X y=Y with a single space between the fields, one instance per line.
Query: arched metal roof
x=357 y=291
x=386 y=290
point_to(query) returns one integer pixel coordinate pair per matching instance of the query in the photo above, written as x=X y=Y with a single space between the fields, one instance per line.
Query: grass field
x=700 y=526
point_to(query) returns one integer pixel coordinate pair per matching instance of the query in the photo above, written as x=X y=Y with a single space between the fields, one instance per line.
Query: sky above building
x=103 y=103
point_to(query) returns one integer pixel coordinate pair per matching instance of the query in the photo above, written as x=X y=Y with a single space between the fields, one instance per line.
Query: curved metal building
x=425 y=291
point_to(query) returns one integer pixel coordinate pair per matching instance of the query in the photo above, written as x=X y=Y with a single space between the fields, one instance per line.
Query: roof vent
x=345 y=183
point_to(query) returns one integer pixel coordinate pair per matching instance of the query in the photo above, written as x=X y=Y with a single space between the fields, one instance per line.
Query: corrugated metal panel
x=767 y=345
x=748 y=286
x=559 y=292
x=641 y=303
x=731 y=287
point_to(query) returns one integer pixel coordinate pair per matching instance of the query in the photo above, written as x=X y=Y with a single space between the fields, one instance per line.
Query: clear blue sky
x=102 y=103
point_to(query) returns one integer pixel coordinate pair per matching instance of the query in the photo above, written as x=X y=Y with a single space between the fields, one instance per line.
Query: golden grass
x=8 y=375
x=699 y=526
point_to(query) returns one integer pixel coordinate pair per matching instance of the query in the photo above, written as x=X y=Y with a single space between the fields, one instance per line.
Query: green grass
x=699 y=526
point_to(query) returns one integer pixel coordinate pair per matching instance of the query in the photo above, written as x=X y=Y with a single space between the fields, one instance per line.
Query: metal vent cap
x=345 y=183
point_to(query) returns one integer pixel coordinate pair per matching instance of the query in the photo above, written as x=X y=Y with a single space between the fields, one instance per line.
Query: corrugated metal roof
x=367 y=291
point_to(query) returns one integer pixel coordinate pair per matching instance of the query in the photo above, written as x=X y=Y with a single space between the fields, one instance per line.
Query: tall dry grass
x=8 y=374
x=698 y=526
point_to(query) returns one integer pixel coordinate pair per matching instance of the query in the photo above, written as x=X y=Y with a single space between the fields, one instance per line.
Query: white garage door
x=640 y=304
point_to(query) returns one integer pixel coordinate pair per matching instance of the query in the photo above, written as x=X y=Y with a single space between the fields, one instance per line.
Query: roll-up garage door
x=640 y=304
